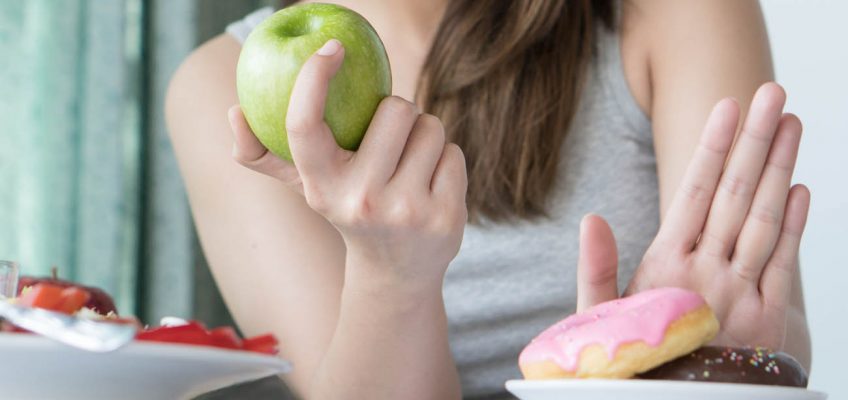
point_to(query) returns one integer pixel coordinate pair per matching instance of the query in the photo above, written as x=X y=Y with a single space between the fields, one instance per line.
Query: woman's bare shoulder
x=667 y=40
x=264 y=244
x=208 y=72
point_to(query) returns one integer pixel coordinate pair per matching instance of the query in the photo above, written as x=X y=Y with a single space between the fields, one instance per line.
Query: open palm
x=732 y=231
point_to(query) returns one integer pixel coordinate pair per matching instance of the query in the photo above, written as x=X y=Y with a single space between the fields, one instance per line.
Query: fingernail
x=331 y=47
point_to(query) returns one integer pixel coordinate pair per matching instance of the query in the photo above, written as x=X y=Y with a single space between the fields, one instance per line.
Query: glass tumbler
x=8 y=279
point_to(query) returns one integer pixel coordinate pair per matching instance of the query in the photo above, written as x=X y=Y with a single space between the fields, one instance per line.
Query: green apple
x=274 y=53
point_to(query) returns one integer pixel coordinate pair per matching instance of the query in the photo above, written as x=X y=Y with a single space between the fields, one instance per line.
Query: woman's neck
x=414 y=20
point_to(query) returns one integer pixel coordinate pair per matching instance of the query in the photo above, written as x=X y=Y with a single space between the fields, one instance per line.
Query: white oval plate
x=641 y=389
x=32 y=367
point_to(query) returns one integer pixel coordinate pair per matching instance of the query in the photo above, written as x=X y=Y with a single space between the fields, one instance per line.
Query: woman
x=557 y=108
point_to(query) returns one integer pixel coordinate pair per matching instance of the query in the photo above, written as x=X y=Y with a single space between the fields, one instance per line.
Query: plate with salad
x=179 y=359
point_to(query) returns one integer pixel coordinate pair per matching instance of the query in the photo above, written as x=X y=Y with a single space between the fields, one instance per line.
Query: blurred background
x=811 y=61
x=92 y=187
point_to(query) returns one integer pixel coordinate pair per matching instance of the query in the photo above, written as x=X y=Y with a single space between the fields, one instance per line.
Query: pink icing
x=643 y=317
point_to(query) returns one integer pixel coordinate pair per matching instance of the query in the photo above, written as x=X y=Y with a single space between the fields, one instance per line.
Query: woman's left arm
x=695 y=54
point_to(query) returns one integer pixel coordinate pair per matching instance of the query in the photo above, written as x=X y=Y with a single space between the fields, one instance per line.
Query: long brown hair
x=505 y=79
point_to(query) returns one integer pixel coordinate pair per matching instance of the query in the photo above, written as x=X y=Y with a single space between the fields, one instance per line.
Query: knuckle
x=780 y=264
x=244 y=159
x=431 y=123
x=695 y=191
x=455 y=151
x=757 y=135
x=446 y=224
x=292 y=180
x=397 y=106
x=712 y=149
x=736 y=186
x=403 y=212
x=766 y=215
x=746 y=271
x=316 y=200
x=782 y=166
x=713 y=244
x=299 y=125
x=359 y=210
x=792 y=232
x=601 y=277
x=454 y=157
x=431 y=131
x=783 y=265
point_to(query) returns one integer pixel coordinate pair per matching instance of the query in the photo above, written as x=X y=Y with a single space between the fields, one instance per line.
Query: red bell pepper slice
x=225 y=337
x=191 y=333
x=265 y=344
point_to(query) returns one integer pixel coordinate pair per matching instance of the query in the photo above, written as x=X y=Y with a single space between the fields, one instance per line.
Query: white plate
x=624 y=389
x=32 y=367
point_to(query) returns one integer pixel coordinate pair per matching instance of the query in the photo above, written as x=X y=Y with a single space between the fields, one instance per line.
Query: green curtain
x=89 y=180
x=72 y=148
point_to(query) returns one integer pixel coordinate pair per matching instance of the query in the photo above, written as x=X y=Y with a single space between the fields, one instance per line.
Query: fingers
x=249 y=152
x=314 y=149
x=762 y=227
x=450 y=180
x=777 y=278
x=687 y=214
x=742 y=174
x=597 y=265
x=383 y=144
x=422 y=153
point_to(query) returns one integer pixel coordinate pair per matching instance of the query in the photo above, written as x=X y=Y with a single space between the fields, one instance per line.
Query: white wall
x=809 y=41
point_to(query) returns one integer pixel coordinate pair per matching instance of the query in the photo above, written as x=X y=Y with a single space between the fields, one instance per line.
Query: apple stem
x=54 y=271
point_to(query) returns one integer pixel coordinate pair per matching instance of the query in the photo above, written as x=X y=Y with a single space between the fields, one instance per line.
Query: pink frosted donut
x=622 y=337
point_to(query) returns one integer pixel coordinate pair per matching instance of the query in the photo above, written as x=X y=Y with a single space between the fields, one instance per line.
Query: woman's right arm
x=359 y=319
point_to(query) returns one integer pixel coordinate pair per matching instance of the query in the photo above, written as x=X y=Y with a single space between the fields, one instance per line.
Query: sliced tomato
x=73 y=298
x=265 y=344
x=225 y=337
x=42 y=295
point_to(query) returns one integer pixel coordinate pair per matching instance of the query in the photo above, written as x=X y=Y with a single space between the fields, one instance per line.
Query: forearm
x=390 y=343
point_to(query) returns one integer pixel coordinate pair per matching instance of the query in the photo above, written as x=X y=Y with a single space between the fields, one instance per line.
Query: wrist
x=386 y=300
x=389 y=277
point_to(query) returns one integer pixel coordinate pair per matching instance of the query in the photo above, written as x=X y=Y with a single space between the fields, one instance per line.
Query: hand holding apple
x=399 y=203
x=274 y=53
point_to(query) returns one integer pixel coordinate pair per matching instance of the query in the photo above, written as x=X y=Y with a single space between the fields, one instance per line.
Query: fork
x=73 y=331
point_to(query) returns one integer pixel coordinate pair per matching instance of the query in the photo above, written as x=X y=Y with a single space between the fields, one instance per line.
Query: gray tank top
x=511 y=281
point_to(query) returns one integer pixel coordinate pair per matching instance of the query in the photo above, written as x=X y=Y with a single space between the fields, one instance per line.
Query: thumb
x=249 y=152
x=597 y=264
x=313 y=147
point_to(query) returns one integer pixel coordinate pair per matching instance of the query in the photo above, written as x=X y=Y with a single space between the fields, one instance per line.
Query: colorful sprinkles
x=760 y=358
x=753 y=365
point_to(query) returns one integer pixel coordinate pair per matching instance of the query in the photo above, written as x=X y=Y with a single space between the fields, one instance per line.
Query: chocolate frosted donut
x=734 y=365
